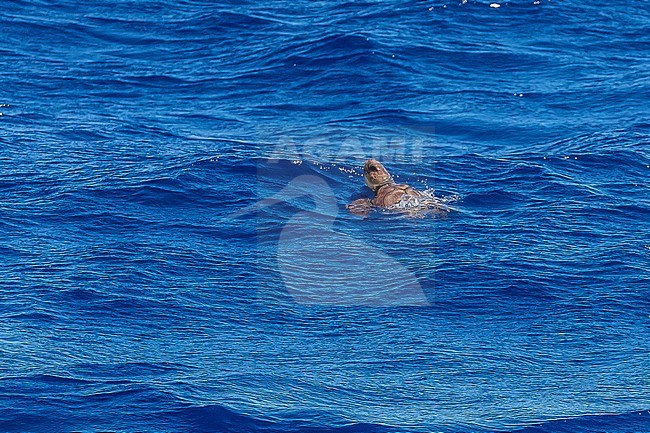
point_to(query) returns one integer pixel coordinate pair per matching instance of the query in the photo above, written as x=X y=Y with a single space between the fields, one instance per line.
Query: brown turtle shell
x=387 y=192
x=390 y=195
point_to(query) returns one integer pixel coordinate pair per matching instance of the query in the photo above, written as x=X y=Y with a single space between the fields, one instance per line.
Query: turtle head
x=376 y=175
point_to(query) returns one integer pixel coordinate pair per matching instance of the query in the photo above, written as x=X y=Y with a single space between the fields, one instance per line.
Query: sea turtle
x=390 y=195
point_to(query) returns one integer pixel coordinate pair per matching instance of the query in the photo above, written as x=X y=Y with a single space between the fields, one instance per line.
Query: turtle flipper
x=360 y=207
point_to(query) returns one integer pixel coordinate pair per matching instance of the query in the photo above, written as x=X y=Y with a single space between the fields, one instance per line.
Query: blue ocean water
x=176 y=252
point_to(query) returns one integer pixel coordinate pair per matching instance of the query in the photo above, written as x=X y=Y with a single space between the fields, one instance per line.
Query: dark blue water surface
x=143 y=289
